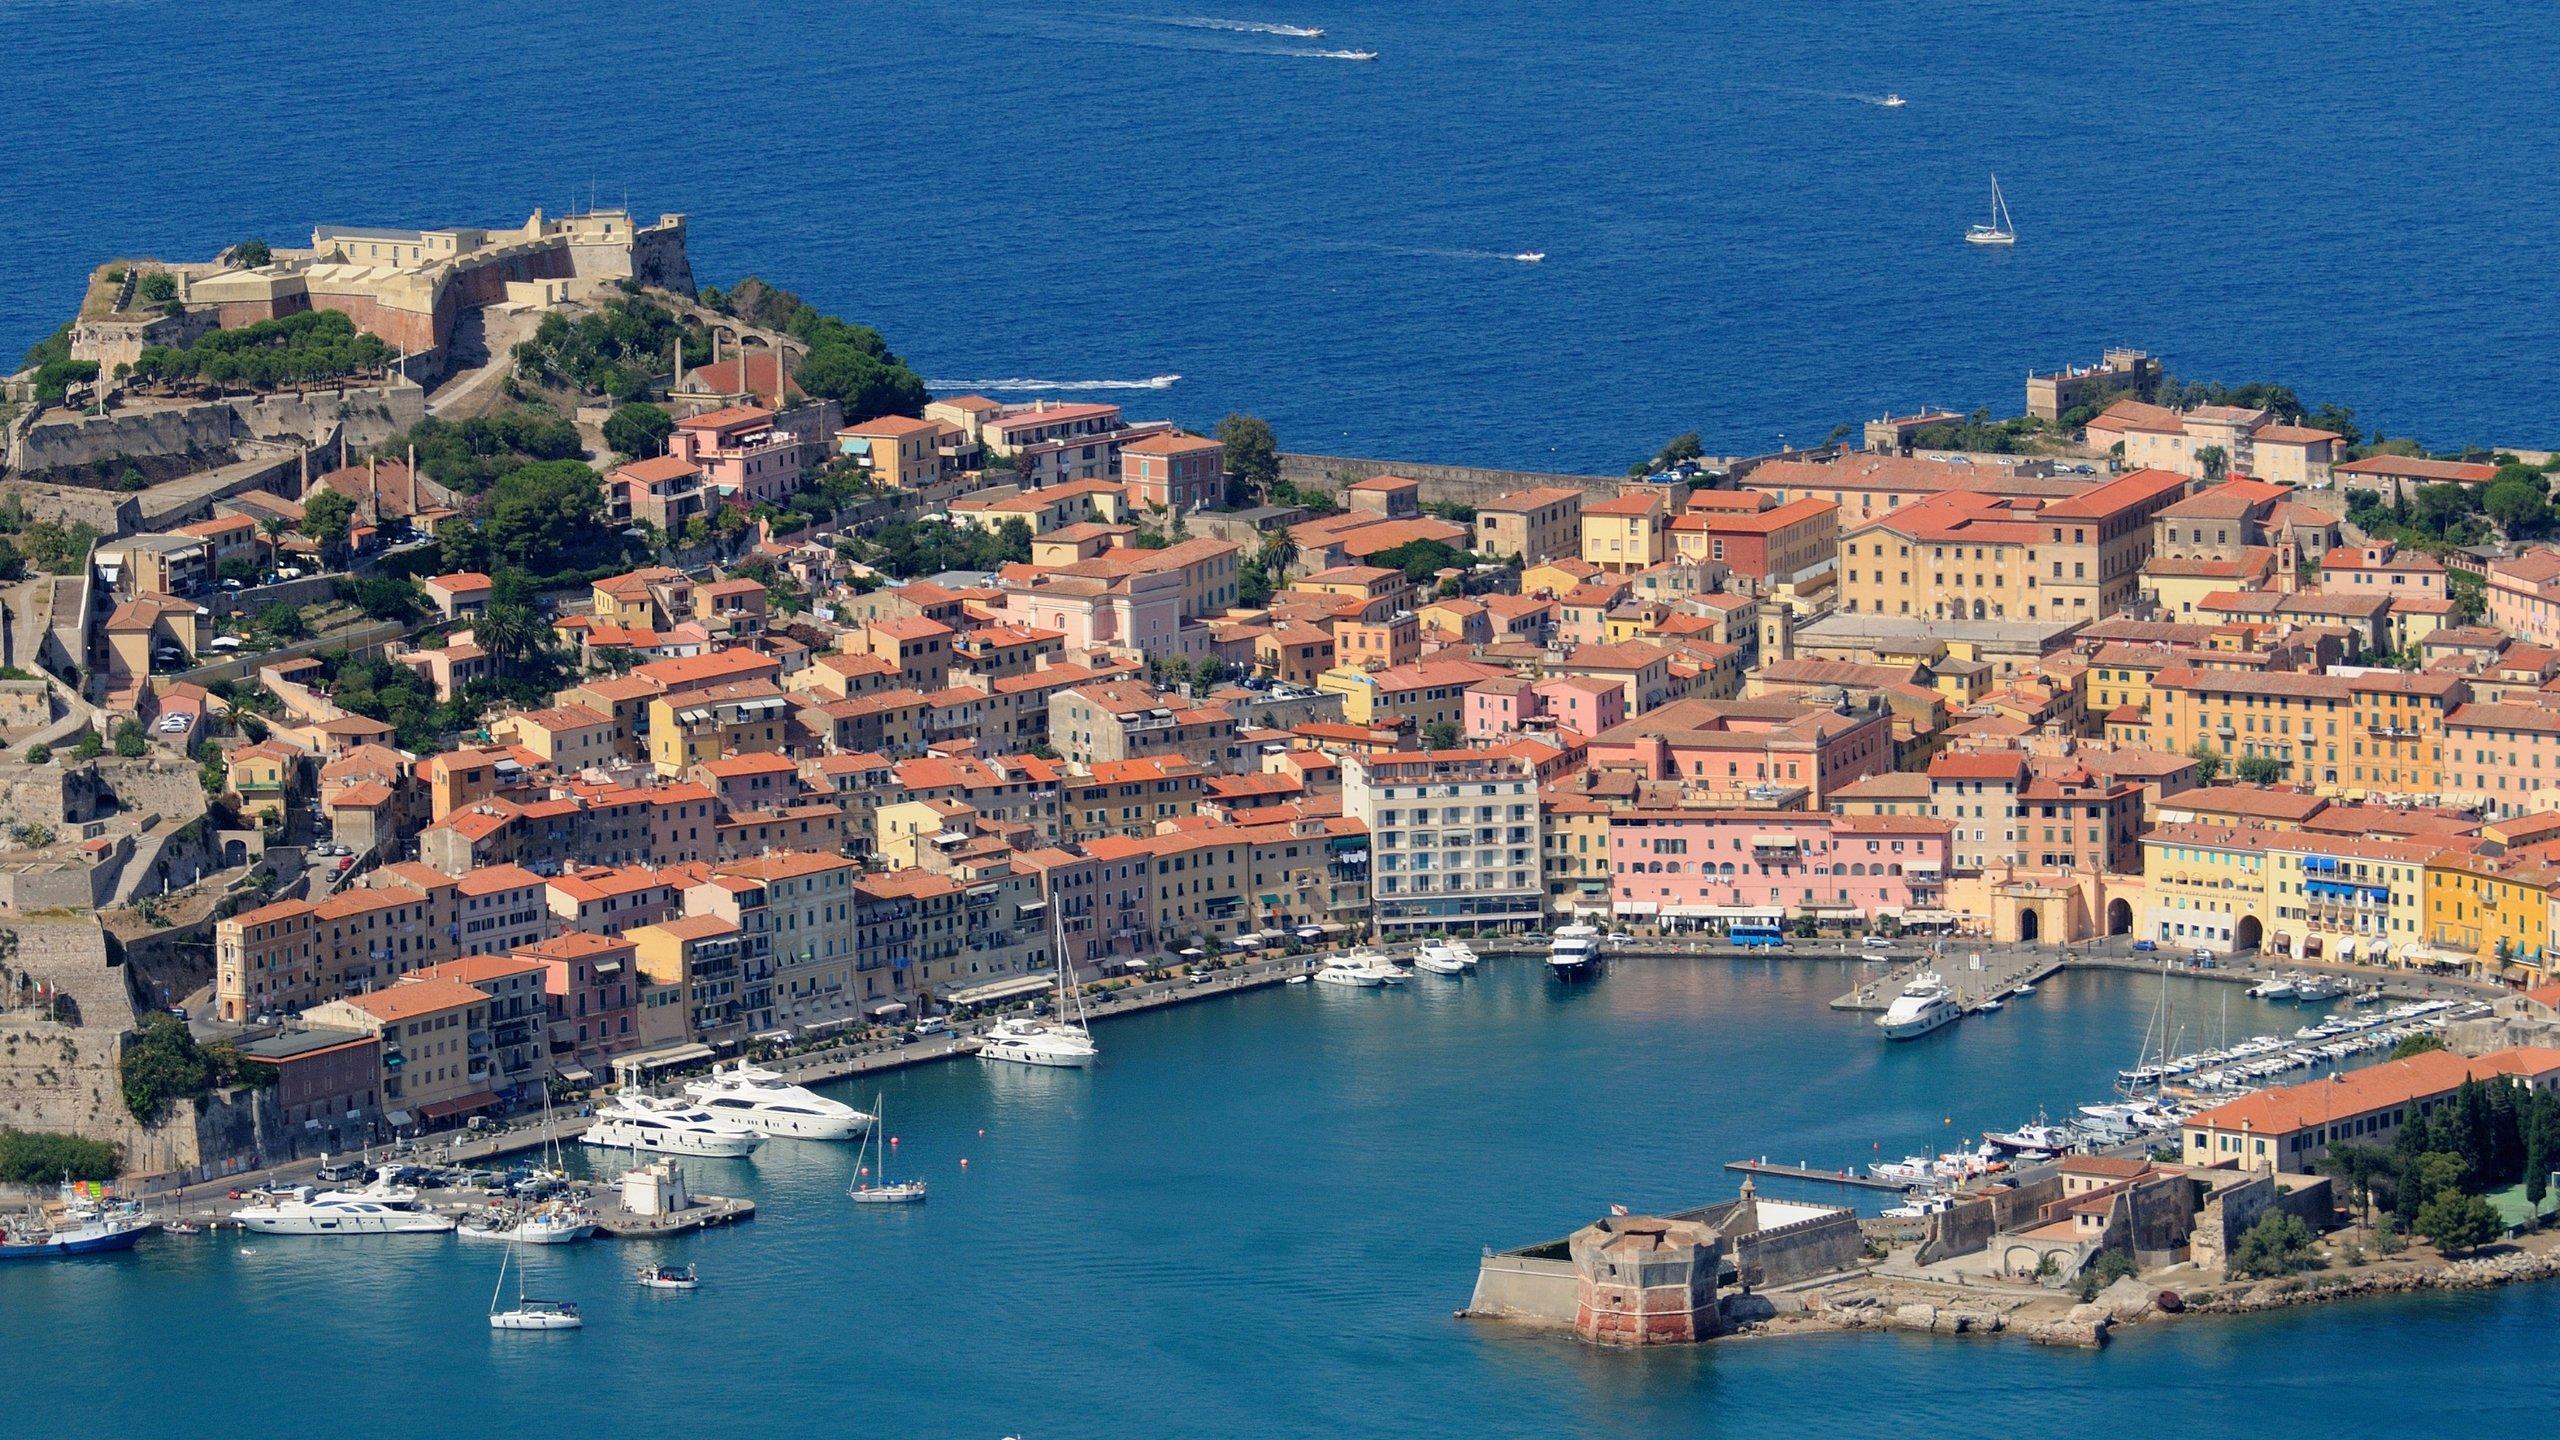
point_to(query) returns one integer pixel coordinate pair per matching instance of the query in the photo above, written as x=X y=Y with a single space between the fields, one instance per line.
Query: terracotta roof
x=415 y=997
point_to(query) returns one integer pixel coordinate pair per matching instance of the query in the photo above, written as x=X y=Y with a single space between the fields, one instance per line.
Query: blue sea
x=1254 y=1219
x=1740 y=240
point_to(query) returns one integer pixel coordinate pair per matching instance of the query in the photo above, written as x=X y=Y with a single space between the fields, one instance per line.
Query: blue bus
x=1757 y=937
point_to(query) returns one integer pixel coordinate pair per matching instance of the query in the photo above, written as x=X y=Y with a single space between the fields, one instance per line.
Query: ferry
x=1573 y=951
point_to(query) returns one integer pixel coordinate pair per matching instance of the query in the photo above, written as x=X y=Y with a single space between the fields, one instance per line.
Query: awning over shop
x=999 y=991
x=661 y=1059
x=397 y=1117
x=576 y=1075
x=881 y=1009
x=465 y=1105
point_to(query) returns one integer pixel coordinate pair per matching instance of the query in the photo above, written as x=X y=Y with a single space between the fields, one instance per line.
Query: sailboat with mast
x=1062 y=1042
x=903 y=1192
x=2001 y=230
x=529 y=1313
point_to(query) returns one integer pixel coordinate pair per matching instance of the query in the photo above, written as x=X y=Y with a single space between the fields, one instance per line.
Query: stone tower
x=1639 y=1280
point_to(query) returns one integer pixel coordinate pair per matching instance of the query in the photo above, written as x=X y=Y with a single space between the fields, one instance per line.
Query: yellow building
x=743 y=718
x=1577 y=858
x=2381 y=732
x=2237 y=888
x=2208 y=887
x=1427 y=693
x=2493 y=909
x=1626 y=534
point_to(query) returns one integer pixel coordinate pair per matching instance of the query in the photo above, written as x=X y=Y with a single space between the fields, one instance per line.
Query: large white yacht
x=764 y=1101
x=381 y=1208
x=1026 y=1040
x=1923 y=1006
x=632 y=1121
x=1361 y=969
x=1572 y=951
x=1061 y=1043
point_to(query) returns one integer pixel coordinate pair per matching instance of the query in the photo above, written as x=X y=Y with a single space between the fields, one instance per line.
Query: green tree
x=89 y=746
x=1681 y=447
x=512 y=634
x=637 y=431
x=273 y=527
x=130 y=741
x=2520 y=508
x=2208 y=762
x=1253 y=453
x=328 y=517
x=39 y=754
x=2456 y=1223
x=240 y=569
x=2437 y=507
x=1440 y=735
x=2216 y=462
x=2260 y=769
x=37 y=1157
x=159 y=1066
x=159 y=287
x=2278 y=1244
x=251 y=253
x=2418 y=1044
x=2356 y=1167
x=386 y=597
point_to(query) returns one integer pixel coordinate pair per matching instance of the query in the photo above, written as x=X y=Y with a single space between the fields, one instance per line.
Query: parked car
x=2145 y=946
x=933 y=1025
x=2202 y=956
x=1875 y=942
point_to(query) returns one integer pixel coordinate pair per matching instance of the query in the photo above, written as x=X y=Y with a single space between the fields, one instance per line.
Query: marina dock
x=2000 y=975
x=1805 y=1172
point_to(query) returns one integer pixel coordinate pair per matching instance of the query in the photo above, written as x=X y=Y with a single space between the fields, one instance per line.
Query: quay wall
x=1783 y=1255
x=1967 y=1229
x=1516 y=1287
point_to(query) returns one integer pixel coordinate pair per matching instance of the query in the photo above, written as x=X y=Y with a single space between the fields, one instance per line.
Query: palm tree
x=511 y=634
x=273 y=527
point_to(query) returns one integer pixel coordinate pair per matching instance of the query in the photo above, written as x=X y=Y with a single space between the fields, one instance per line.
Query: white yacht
x=1924 y=1005
x=2312 y=989
x=632 y=1121
x=1063 y=1043
x=764 y=1101
x=1437 y=959
x=2274 y=987
x=1362 y=969
x=1573 y=951
x=2001 y=230
x=1462 y=952
x=381 y=1208
x=529 y=1313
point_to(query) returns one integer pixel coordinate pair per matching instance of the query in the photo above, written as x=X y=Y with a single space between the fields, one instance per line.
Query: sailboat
x=529 y=1313
x=904 y=1192
x=1063 y=1042
x=2001 y=231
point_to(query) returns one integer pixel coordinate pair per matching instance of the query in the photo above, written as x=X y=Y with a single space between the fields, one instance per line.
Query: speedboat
x=764 y=1101
x=86 y=1228
x=1893 y=102
x=1351 y=971
x=1438 y=960
x=1924 y=1005
x=2038 y=1136
x=1919 y=1206
x=1530 y=257
x=2311 y=989
x=633 y=1121
x=1025 y=1040
x=380 y=1208
x=1573 y=951
x=1462 y=952
x=2274 y=987
x=668 y=1277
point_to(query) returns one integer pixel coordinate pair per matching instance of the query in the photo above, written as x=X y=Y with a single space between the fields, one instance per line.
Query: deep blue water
x=1254 y=1219
x=2348 y=199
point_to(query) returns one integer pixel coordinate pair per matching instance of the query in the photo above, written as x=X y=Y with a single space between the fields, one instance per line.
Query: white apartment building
x=1456 y=837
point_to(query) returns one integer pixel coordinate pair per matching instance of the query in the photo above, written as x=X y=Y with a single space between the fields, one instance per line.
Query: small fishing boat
x=668 y=1277
x=1893 y=102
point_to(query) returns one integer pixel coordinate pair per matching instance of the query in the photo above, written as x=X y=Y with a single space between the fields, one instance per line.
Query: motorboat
x=1893 y=102
x=1573 y=951
x=633 y=1121
x=668 y=1277
x=1028 y=1040
x=1060 y=1044
x=87 y=1226
x=2274 y=987
x=1438 y=960
x=1530 y=257
x=864 y=1190
x=1920 y=1206
x=1464 y=953
x=766 y=1102
x=529 y=1313
x=1924 y=1005
x=2038 y=1136
x=1361 y=969
x=380 y=1208
x=2312 y=989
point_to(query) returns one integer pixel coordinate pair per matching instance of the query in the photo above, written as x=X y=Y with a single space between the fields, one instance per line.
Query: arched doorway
x=2119 y=917
x=2030 y=926
x=2248 y=935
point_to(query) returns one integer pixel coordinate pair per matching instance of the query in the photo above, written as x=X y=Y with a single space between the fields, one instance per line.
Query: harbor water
x=1740 y=239
x=1254 y=1218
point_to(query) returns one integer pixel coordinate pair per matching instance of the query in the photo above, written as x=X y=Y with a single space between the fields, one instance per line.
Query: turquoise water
x=1253 y=1219
x=1738 y=241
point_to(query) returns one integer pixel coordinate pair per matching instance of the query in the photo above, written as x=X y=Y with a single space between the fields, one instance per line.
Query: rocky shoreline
x=2047 y=1319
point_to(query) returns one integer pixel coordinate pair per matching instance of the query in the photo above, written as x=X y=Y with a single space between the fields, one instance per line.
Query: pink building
x=1732 y=745
x=1497 y=708
x=1175 y=470
x=590 y=987
x=748 y=454
x=1682 y=869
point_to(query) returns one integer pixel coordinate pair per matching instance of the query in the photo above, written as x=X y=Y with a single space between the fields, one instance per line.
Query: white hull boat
x=766 y=1102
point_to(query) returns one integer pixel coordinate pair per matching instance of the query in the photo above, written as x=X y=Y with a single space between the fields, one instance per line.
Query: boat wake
x=1439 y=252
x=1152 y=382
x=1331 y=54
x=1247 y=27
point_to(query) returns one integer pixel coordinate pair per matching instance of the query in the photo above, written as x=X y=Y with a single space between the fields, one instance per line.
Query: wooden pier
x=2002 y=972
x=1823 y=1177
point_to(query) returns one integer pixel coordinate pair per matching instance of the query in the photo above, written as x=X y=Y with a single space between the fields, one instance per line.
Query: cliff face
x=66 y=1017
